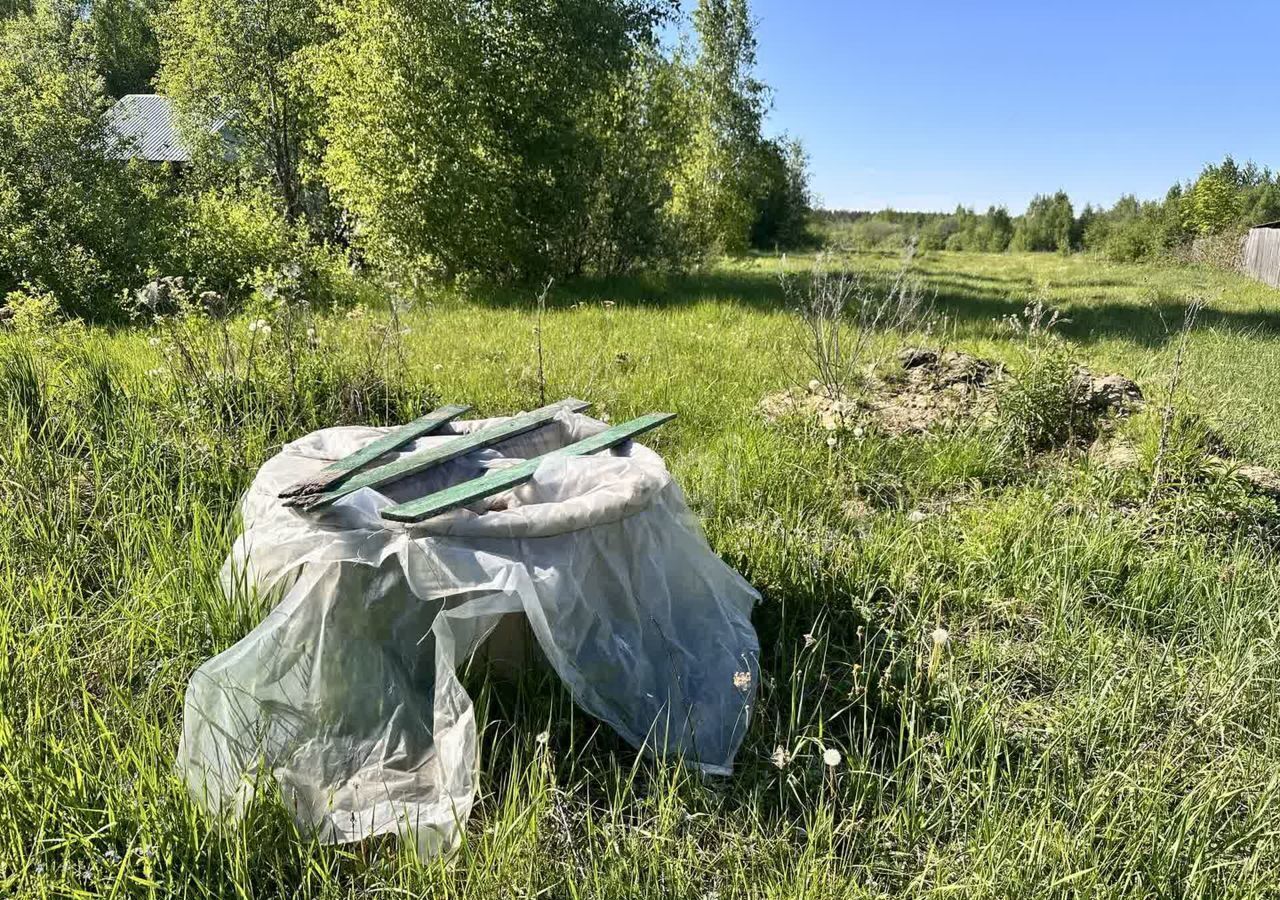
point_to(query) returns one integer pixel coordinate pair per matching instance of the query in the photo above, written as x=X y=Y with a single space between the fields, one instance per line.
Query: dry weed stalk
x=840 y=314
x=1169 y=411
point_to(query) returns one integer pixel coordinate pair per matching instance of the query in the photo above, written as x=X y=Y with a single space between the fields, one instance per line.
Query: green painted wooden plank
x=504 y=479
x=328 y=477
x=459 y=446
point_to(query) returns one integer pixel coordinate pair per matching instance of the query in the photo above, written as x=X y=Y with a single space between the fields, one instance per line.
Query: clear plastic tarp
x=346 y=692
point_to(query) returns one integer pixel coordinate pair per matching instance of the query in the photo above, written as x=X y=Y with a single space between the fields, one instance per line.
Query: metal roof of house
x=145 y=128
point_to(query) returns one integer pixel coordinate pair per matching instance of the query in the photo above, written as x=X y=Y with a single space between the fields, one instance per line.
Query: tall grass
x=1099 y=720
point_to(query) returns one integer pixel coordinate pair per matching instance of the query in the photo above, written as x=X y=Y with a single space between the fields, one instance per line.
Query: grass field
x=1102 y=721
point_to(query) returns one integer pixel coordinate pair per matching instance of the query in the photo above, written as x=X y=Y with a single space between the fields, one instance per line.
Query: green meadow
x=1042 y=676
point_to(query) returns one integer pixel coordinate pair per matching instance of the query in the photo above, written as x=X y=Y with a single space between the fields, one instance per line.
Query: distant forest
x=1198 y=217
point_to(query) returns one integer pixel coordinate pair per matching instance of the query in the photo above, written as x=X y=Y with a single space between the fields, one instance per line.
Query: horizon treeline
x=505 y=140
x=1211 y=210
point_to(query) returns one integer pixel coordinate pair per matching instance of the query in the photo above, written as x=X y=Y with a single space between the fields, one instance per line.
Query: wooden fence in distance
x=1261 y=255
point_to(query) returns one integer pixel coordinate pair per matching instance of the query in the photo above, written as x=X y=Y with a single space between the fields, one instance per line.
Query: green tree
x=239 y=60
x=469 y=136
x=1212 y=205
x=125 y=45
x=720 y=181
x=782 y=212
x=74 y=220
x=636 y=131
x=999 y=230
x=1048 y=224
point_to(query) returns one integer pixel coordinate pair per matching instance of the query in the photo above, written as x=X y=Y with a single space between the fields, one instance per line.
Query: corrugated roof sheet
x=145 y=128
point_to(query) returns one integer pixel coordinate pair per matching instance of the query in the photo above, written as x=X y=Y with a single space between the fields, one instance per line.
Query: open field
x=1103 y=720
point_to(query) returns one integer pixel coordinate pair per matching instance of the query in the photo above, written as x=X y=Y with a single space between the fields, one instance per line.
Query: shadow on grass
x=973 y=302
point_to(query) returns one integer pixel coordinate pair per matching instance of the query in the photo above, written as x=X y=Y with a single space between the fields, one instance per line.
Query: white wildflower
x=831 y=441
x=781 y=758
x=857 y=431
x=831 y=757
x=809 y=641
x=742 y=680
x=940 y=636
x=542 y=738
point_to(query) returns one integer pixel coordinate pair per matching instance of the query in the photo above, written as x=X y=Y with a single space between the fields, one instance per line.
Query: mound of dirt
x=933 y=390
x=1107 y=394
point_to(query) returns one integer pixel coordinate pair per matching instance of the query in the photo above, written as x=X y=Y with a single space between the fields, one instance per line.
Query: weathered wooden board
x=329 y=477
x=504 y=479
x=1260 y=256
x=459 y=446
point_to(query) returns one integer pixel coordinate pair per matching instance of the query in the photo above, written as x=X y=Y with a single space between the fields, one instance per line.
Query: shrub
x=31 y=310
x=74 y=221
x=1133 y=240
x=226 y=238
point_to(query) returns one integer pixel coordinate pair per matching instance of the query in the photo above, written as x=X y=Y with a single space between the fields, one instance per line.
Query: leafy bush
x=876 y=234
x=1133 y=240
x=73 y=220
x=227 y=237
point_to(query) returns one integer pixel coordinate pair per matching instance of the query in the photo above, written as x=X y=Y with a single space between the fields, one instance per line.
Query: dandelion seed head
x=940 y=636
x=543 y=738
x=831 y=757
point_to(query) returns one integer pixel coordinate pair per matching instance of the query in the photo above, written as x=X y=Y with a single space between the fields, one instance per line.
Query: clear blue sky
x=926 y=104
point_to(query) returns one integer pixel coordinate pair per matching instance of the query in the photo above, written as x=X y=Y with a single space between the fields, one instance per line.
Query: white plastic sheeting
x=346 y=692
